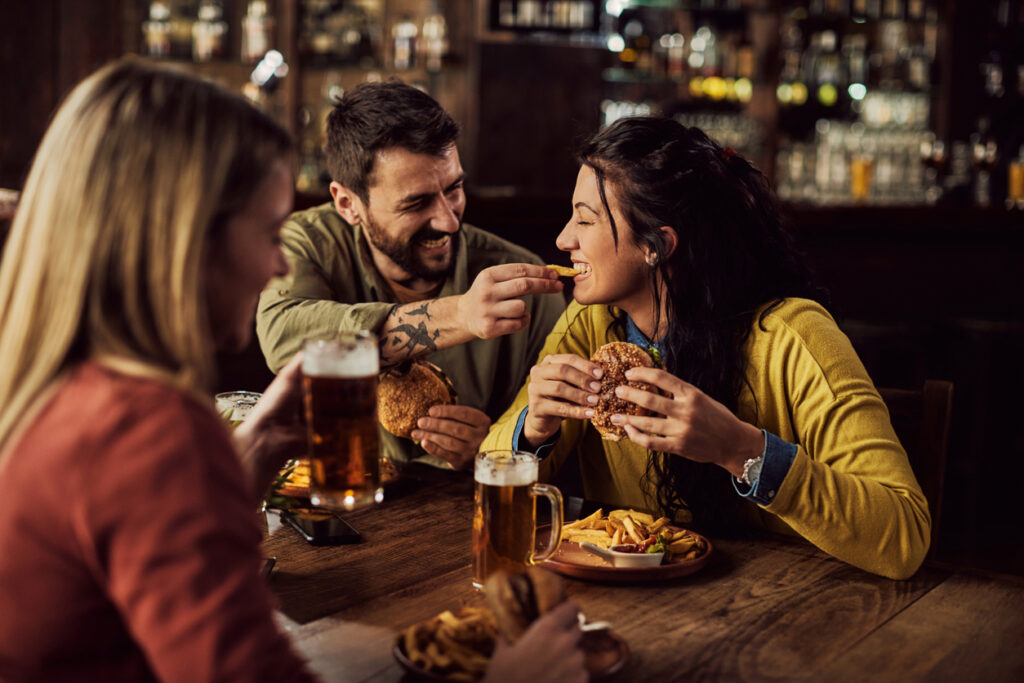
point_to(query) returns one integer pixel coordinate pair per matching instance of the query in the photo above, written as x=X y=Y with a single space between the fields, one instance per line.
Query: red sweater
x=129 y=545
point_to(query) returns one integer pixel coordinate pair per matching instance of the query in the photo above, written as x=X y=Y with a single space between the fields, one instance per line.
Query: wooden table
x=762 y=609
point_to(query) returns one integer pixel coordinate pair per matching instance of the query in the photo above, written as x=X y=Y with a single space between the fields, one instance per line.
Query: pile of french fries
x=457 y=645
x=630 y=526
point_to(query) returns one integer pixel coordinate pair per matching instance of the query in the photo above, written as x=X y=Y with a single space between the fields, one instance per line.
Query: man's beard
x=404 y=253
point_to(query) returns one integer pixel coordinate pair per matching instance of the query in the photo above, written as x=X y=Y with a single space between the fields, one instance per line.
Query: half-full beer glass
x=340 y=396
x=505 y=513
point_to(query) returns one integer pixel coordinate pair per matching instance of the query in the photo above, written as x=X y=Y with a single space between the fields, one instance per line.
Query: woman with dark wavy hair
x=765 y=414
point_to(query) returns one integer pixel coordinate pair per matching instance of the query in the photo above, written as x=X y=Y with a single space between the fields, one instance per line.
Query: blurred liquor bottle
x=156 y=30
x=404 y=35
x=984 y=157
x=434 y=38
x=257 y=31
x=209 y=32
x=183 y=18
x=333 y=33
x=1015 y=182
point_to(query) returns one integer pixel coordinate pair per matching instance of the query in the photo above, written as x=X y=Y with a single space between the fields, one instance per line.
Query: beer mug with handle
x=505 y=513
x=339 y=393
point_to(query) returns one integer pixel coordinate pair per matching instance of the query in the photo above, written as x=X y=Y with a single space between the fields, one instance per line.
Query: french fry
x=437 y=658
x=631 y=531
x=563 y=271
x=584 y=523
x=585 y=534
x=682 y=545
x=446 y=617
x=657 y=525
x=595 y=536
x=637 y=516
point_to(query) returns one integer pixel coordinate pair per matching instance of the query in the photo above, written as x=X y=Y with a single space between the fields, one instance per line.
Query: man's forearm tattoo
x=410 y=336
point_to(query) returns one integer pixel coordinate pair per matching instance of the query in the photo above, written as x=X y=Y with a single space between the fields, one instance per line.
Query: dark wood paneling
x=47 y=47
x=535 y=102
x=27 y=90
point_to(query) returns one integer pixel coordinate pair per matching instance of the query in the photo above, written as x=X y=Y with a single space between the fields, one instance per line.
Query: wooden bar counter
x=764 y=608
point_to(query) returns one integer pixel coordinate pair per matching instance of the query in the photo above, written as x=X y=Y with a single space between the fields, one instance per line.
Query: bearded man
x=391 y=254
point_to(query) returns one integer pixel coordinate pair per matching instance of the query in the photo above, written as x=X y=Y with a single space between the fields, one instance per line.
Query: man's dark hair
x=375 y=116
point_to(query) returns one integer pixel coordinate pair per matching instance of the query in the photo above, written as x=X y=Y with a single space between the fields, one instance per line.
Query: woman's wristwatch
x=751 y=470
x=752 y=467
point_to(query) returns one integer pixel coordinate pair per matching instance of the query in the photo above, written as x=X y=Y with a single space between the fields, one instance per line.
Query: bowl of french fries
x=457 y=646
x=624 y=533
x=453 y=646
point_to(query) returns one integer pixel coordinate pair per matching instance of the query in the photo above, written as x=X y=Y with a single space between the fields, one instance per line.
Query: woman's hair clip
x=727 y=153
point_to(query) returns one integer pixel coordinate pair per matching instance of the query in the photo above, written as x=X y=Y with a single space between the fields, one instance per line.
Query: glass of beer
x=339 y=391
x=505 y=513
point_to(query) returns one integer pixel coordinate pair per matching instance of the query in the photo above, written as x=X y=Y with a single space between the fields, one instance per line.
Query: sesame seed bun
x=406 y=393
x=616 y=358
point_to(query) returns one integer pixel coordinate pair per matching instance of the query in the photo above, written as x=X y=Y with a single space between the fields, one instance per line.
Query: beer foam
x=503 y=473
x=343 y=360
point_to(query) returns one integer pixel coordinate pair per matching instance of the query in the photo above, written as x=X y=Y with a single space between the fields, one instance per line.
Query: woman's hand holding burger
x=687 y=422
x=561 y=386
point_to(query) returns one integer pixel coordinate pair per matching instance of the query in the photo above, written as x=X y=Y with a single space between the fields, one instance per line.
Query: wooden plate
x=571 y=560
x=605 y=652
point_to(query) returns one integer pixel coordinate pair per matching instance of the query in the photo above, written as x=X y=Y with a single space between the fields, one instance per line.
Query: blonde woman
x=129 y=548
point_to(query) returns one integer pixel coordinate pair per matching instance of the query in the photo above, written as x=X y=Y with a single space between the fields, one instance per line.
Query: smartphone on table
x=320 y=527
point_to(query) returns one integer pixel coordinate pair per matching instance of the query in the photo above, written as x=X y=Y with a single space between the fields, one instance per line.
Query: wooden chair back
x=921 y=418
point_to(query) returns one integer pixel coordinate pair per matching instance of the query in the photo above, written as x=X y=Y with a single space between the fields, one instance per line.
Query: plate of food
x=624 y=532
x=293 y=479
x=457 y=645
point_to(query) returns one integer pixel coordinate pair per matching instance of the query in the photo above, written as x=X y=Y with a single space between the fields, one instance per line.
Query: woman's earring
x=652 y=259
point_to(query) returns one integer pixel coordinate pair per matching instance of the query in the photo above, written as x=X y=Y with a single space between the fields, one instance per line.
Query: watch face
x=751 y=470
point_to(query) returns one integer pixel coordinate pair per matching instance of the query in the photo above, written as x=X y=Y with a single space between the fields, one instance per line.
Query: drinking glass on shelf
x=340 y=398
x=505 y=513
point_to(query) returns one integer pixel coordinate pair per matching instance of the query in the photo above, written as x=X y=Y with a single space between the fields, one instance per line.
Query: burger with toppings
x=615 y=359
x=518 y=599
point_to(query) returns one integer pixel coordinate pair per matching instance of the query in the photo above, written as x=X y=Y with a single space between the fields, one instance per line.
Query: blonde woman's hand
x=274 y=432
x=548 y=651
x=688 y=422
x=561 y=386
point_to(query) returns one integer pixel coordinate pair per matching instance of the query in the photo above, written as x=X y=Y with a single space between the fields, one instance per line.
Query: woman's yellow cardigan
x=850 y=490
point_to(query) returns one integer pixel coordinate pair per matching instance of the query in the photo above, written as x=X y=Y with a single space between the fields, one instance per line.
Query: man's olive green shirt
x=333 y=285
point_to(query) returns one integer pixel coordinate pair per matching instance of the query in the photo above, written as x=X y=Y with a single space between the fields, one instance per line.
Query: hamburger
x=406 y=392
x=616 y=358
x=517 y=599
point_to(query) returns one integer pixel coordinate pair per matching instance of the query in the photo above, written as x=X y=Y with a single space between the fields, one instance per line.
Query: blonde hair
x=137 y=172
